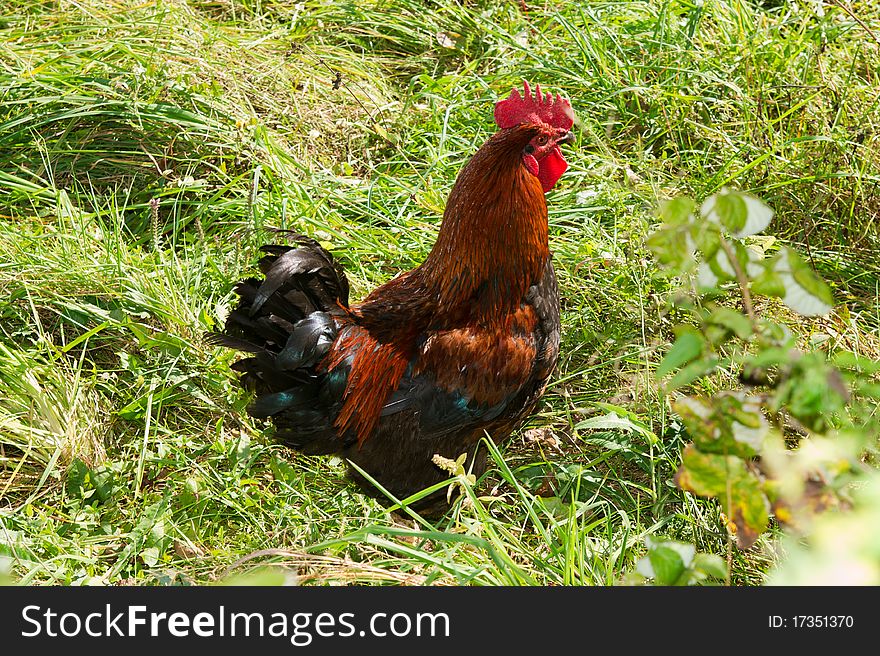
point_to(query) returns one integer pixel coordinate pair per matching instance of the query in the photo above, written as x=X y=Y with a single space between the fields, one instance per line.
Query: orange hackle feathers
x=493 y=240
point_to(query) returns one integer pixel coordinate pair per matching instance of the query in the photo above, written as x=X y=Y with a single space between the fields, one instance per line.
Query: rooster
x=435 y=358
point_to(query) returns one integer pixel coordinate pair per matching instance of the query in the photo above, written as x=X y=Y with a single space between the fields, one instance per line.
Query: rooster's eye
x=542 y=140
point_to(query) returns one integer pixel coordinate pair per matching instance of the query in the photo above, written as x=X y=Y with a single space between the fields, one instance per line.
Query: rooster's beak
x=567 y=138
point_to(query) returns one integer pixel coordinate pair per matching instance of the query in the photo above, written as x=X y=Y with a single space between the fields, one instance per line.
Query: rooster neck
x=493 y=242
x=492 y=246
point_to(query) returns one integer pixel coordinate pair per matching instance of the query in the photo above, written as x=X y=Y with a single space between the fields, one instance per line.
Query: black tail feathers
x=286 y=321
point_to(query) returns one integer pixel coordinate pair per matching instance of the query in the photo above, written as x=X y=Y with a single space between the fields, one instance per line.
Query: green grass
x=147 y=149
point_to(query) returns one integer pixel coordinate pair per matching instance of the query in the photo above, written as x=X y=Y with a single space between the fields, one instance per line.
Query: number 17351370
x=811 y=622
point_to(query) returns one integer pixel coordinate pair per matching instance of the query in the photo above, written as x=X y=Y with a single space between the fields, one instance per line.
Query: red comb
x=540 y=108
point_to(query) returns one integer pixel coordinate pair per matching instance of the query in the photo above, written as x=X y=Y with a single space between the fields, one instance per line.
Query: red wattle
x=550 y=168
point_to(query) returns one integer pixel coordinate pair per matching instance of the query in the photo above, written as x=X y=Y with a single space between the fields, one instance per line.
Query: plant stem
x=740 y=278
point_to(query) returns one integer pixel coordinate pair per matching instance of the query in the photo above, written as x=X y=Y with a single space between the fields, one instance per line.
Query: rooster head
x=553 y=118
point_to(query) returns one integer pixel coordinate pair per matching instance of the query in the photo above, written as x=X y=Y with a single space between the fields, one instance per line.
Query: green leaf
x=787 y=276
x=688 y=346
x=734 y=321
x=809 y=295
x=673 y=247
x=725 y=424
x=813 y=392
x=772 y=357
x=87 y=483
x=676 y=563
x=864 y=388
x=710 y=565
x=768 y=282
x=264 y=576
x=727 y=479
x=283 y=471
x=850 y=360
x=690 y=372
x=666 y=564
x=241 y=449
x=76 y=477
x=613 y=421
x=150 y=556
x=720 y=263
x=759 y=216
x=707 y=238
x=726 y=209
x=104 y=480
x=741 y=215
x=678 y=211
x=555 y=507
